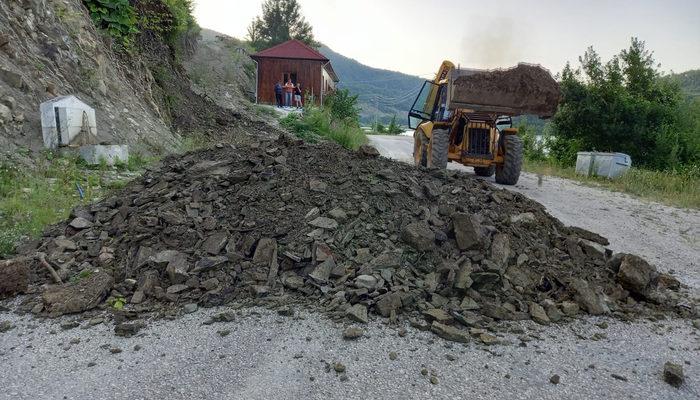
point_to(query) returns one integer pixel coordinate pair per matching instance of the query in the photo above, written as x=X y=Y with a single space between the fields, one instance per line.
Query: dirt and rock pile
x=350 y=234
x=523 y=89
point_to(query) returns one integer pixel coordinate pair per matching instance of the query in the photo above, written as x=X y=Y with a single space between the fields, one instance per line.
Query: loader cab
x=431 y=104
x=504 y=122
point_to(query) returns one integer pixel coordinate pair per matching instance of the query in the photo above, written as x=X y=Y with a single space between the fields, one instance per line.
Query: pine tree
x=394 y=128
x=281 y=20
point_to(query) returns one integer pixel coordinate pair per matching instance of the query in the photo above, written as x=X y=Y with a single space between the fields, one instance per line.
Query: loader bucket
x=523 y=89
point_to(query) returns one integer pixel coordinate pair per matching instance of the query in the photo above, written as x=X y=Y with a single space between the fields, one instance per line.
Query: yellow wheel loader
x=464 y=116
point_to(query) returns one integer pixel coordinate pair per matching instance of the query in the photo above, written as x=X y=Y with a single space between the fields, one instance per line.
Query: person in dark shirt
x=297 y=96
x=278 y=94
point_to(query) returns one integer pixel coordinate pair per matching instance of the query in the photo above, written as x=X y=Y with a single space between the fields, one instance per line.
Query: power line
x=388 y=79
x=404 y=97
x=374 y=80
x=408 y=94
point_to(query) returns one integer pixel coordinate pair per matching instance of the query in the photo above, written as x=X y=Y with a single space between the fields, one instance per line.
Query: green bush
x=183 y=20
x=342 y=107
x=306 y=127
x=171 y=20
x=121 y=19
x=532 y=148
x=378 y=127
x=116 y=17
x=317 y=123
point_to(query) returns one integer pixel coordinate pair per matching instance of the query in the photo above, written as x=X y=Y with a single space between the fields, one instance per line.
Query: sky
x=413 y=36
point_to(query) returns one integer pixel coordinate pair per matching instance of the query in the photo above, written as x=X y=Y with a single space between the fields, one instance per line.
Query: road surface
x=266 y=357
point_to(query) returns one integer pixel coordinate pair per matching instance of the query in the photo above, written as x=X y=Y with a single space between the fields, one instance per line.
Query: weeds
x=264 y=111
x=315 y=124
x=31 y=199
x=194 y=141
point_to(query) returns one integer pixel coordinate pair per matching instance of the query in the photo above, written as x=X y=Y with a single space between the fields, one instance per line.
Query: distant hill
x=689 y=82
x=382 y=93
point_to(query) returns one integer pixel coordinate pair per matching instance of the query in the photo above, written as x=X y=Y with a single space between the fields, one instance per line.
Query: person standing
x=278 y=94
x=288 y=91
x=297 y=96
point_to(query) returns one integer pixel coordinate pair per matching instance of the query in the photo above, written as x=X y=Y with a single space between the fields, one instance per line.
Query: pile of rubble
x=348 y=234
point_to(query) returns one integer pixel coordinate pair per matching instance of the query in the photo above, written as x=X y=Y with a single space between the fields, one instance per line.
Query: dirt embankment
x=220 y=68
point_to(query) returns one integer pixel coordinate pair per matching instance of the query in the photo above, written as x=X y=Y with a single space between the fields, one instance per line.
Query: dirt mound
x=524 y=89
x=348 y=233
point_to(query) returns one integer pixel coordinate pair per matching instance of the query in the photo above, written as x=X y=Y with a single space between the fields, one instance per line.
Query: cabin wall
x=328 y=83
x=272 y=70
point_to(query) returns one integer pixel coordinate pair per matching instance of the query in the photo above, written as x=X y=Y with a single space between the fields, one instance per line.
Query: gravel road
x=267 y=356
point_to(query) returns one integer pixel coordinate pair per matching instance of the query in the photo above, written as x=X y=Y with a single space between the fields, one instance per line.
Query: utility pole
x=376 y=112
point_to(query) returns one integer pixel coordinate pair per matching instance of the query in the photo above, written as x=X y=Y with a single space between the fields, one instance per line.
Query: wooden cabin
x=297 y=61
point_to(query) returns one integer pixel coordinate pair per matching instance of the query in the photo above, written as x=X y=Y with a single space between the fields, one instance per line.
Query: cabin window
x=288 y=76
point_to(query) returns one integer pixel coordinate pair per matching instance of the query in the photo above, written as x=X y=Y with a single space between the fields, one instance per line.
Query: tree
x=378 y=127
x=254 y=31
x=638 y=68
x=394 y=128
x=623 y=106
x=342 y=107
x=533 y=148
x=281 y=20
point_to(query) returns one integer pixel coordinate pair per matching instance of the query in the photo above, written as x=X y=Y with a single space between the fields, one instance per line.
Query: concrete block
x=609 y=165
x=94 y=154
x=66 y=120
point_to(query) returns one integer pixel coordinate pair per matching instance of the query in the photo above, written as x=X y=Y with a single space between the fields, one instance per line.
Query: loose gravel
x=259 y=359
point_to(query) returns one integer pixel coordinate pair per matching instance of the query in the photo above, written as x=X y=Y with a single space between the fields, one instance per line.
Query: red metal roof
x=291 y=49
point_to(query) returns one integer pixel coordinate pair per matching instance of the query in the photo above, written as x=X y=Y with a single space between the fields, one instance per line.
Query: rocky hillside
x=51 y=48
x=220 y=68
x=142 y=97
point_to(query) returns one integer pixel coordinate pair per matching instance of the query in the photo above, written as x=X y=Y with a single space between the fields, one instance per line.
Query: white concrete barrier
x=65 y=118
x=111 y=154
x=609 y=165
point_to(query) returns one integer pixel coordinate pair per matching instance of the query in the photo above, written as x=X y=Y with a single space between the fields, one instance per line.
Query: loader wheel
x=509 y=172
x=438 y=146
x=485 y=171
x=420 y=149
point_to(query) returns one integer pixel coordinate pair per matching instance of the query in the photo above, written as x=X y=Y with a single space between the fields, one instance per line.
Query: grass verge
x=680 y=189
x=32 y=198
x=315 y=125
